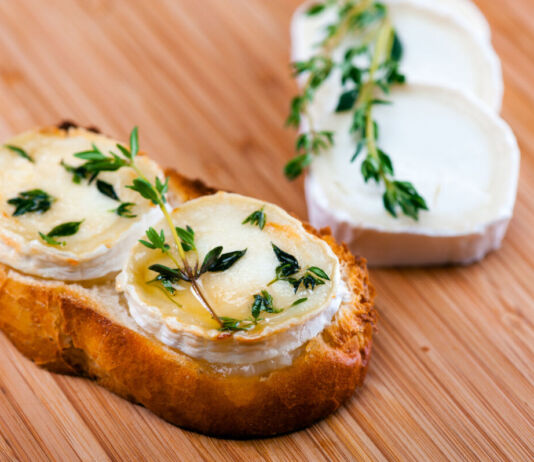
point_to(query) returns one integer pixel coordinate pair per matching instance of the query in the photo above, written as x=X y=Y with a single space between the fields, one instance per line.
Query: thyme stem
x=369 y=20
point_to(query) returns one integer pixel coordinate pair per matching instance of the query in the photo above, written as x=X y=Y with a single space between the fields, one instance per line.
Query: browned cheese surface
x=208 y=84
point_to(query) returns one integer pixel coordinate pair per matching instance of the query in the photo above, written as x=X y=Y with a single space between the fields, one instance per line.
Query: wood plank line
x=452 y=376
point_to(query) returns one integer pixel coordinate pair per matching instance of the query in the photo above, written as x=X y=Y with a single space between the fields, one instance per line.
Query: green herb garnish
x=155 y=240
x=65 y=229
x=97 y=162
x=187 y=236
x=107 y=189
x=35 y=200
x=382 y=50
x=185 y=269
x=154 y=193
x=256 y=218
x=263 y=302
x=235 y=325
x=124 y=210
x=289 y=267
x=169 y=275
x=19 y=151
x=78 y=173
x=216 y=263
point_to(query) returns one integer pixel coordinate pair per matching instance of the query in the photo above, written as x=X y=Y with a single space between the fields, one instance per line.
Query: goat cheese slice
x=182 y=322
x=464 y=11
x=461 y=158
x=439 y=47
x=103 y=239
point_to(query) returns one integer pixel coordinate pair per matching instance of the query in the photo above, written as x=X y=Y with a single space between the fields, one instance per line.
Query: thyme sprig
x=97 y=162
x=262 y=302
x=187 y=268
x=214 y=261
x=363 y=87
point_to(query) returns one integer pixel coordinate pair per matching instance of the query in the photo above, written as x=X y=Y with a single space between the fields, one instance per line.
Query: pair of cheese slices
x=106 y=242
x=443 y=134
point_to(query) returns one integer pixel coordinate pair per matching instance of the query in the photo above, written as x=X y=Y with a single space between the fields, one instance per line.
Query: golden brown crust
x=184 y=188
x=65 y=331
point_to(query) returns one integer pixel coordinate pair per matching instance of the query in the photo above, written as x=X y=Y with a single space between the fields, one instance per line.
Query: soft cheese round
x=439 y=47
x=183 y=323
x=103 y=239
x=465 y=11
x=461 y=158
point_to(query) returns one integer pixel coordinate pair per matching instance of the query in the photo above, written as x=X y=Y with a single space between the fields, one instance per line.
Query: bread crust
x=63 y=330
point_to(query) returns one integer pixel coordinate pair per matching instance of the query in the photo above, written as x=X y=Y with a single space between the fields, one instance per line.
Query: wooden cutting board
x=208 y=83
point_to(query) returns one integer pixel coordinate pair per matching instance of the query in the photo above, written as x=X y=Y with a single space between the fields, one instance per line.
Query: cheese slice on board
x=465 y=11
x=103 y=239
x=461 y=158
x=439 y=48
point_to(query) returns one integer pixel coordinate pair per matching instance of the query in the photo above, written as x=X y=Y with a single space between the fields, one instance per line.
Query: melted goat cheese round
x=100 y=245
x=181 y=321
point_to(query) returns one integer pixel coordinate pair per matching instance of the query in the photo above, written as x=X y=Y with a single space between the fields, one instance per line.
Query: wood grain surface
x=207 y=81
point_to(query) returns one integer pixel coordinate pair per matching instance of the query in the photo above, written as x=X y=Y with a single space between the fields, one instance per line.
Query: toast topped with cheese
x=238 y=320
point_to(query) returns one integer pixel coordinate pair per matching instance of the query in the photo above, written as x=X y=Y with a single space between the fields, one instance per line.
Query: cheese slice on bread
x=297 y=314
x=43 y=161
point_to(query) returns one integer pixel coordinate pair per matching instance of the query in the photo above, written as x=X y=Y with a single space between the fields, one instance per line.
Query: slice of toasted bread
x=85 y=329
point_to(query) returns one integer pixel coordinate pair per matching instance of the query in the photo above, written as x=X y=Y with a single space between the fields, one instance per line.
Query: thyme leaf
x=146 y=189
x=235 y=325
x=215 y=262
x=19 y=151
x=187 y=236
x=155 y=240
x=34 y=200
x=78 y=173
x=65 y=229
x=289 y=267
x=107 y=189
x=97 y=162
x=171 y=275
x=124 y=210
x=256 y=218
x=263 y=302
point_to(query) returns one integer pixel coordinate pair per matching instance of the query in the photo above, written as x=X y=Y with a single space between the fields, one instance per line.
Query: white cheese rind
x=463 y=10
x=464 y=161
x=439 y=48
x=409 y=248
x=217 y=220
x=274 y=348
